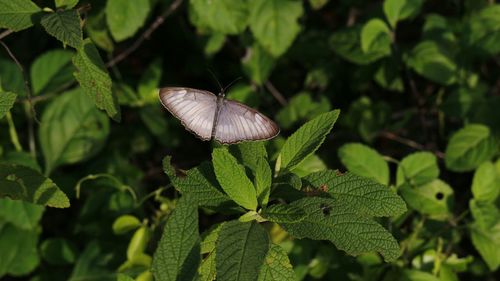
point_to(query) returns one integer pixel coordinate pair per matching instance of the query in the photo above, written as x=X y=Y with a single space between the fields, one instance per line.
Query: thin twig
x=159 y=20
x=13 y=132
x=410 y=85
x=30 y=112
x=276 y=94
x=26 y=82
x=6 y=33
x=408 y=142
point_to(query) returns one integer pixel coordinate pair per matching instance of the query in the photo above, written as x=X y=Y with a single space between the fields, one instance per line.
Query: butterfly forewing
x=195 y=108
x=238 y=122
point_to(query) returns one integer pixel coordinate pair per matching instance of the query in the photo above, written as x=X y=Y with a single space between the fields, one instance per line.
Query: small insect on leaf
x=325 y=209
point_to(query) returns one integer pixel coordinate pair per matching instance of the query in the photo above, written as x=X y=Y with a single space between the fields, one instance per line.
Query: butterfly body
x=214 y=117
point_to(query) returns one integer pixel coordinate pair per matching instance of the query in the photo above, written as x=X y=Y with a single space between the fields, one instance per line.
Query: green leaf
x=487 y=242
x=72 y=130
x=241 y=250
x=209 y=238
x=318 y=4
x=94 y=79
x=431 y=60
x=214 y=43
x=207 y=269
x=485 y=214
x=21 y=158
x=19 y=250
x=249 y=153
x=7 y=100
x=434 y=198
x=52 y=71
x=302 y=107
x=311 y=164
x=343 y=227
x=222 y=16
x=21 y=214
x=17 y=15
x=364 y=161
x=58 y=251
x=199 y=183
x=483 y=30
x=257 y=64
x=469 y=147
x=150 y=81
x=22 y=183
x=124 y=18
x=359 y=194
x=66 y=4
x=388 y=75
x=178 y=253
x=277 y=266
x=346 y=43
x=283 y=213
x=231 y=176
x=376 y=37
x=417 y=169
x=123 y=277
x=417 y=275
x=263 y=180
x=396 y=10
x=306 y=140
x=486 y=183
x=274 y=23
x=11 y=78
x=91 y=265
x=125 y=223
x=65 y=26
x=97 y=29
x=138 y=243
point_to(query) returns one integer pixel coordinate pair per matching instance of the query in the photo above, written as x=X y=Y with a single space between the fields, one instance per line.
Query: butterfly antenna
x=216 y=80
x=231 y=84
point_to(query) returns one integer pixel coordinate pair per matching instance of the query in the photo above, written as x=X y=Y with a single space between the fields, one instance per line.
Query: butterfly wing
x=238 y=122
x=194 y=108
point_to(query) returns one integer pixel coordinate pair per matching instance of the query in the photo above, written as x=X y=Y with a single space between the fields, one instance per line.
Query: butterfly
x=214 y=117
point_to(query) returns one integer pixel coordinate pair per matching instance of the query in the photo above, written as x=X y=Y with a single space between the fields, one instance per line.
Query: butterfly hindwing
x=238 y=122
x=194 y=108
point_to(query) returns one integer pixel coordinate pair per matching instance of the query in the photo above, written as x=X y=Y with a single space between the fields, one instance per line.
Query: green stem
x=13 y=133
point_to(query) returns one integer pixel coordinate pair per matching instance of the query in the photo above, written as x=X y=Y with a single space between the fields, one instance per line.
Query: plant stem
x=13 y=133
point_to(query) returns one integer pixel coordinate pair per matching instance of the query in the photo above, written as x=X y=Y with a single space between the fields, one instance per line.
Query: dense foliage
x=98 y=182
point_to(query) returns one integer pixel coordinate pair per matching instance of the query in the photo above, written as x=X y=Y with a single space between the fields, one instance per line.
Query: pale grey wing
x=238 y=122
x=195 y=109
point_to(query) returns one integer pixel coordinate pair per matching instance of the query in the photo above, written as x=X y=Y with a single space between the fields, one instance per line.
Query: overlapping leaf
x=275 y=23
x=241 y=250
x=199 y=183
x=17 y=15
x=306 y=140
x=65 y=26
x=22 y=183
x=417 y=169
x=94 y=79
x=7 y=100
x=277 y=266
x=361 y=195
x=72 y=130
x=346 y=229
x=233 y=179
x=364 y=161
x=469 y=147
x=223 y=16
x=124 y=18
x=178 y=253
